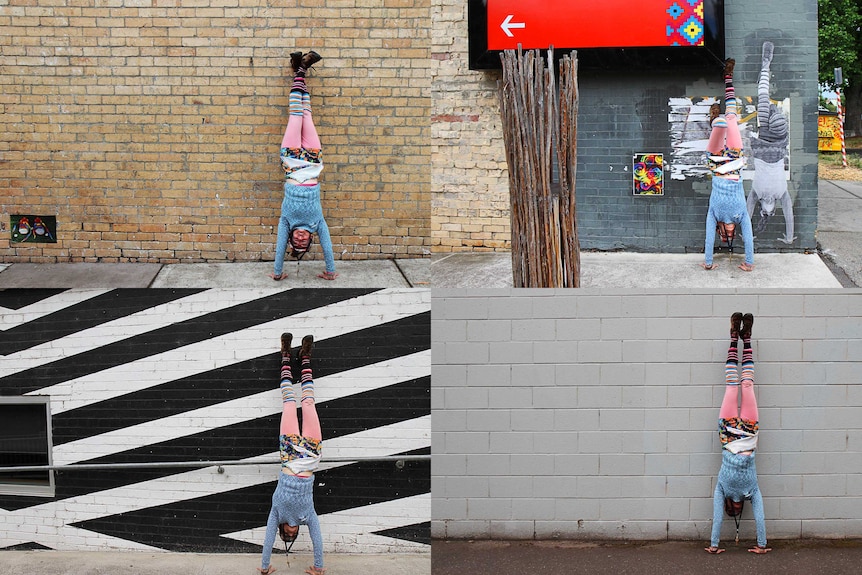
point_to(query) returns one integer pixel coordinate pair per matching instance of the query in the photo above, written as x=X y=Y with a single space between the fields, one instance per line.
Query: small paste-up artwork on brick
x=648 y=174
x=33 y=229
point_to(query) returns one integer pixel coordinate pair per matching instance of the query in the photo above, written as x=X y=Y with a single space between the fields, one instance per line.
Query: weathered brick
x=156 y=113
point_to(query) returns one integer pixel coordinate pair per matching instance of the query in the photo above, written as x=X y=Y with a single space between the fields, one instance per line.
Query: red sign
x=594 y=23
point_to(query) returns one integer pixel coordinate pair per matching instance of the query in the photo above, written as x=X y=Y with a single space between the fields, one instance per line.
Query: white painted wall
x=51 y=522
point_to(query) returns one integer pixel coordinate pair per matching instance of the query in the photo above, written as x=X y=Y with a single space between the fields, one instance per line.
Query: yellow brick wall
x=469 y=178
x=151 y=128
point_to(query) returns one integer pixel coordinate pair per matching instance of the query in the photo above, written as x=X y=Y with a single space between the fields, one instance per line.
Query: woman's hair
x=282 y=532
x=299 y=251
x=733 y=508
x=726 y=230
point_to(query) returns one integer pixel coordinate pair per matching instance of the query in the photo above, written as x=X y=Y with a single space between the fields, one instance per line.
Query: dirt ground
x=831 y=172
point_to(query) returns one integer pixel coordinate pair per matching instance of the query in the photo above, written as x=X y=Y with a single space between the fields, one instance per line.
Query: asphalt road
x=655 y=558
x=839 y=228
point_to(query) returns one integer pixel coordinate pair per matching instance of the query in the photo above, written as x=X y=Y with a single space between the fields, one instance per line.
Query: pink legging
x=729 y=136
x=300 y=132
x=310 y=421
x=748 y=407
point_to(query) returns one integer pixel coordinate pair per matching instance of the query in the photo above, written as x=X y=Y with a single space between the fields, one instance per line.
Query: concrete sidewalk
x=809 y=557
x=839 y=239
x=144 y=563
x=351 y=274
x=627 y=270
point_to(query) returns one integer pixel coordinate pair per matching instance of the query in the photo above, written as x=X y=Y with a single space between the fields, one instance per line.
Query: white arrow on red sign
x=507 y=25
x=577 y=23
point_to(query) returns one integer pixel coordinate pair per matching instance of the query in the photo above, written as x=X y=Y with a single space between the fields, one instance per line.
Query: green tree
x=840 y=37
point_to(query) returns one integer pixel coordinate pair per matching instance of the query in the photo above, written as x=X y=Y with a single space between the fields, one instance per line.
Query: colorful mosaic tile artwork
x=685 y=23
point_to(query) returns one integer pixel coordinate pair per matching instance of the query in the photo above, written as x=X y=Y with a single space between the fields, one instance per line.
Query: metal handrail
x=200 y=464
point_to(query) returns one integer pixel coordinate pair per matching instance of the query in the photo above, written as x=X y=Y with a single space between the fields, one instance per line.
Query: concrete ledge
x=352 y=274
x=78 y=275
x=364 y=274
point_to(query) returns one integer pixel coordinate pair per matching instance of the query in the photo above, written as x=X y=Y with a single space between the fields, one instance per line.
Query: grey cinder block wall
x=595 y=415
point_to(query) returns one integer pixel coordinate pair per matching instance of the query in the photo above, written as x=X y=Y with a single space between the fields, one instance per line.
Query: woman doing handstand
x=727 y=207
x=737 y=431
x=301 y=212
x=293 y=499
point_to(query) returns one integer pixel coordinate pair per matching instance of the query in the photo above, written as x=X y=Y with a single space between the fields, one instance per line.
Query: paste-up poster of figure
x=769 y=156
x=690 y=128
x=648 y=174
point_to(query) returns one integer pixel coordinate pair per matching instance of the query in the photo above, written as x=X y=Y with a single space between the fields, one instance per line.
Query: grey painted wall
x=623 y=113
x=595 y=415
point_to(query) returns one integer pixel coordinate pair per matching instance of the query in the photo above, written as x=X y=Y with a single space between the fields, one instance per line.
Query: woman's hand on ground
x=760 y=550
x=713 y=550
x=328 y=275
x=312 y=570
x=746 y=267
x=270 y=569
x=708 y=267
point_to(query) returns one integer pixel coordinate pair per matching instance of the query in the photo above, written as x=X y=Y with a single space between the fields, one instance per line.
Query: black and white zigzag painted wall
x=192 y=375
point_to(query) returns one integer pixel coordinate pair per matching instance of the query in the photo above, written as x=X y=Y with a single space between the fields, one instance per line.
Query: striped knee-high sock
x=747 y=363
x=306 y=103
x=286 y=385
x=299 y=81
x=295 y=103
x=729 y=95
x=731 y=372
x=306 y=380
